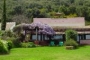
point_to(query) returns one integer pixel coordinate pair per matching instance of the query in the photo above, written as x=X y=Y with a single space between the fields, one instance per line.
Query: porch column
x=25 y=35
x=36 y=34
x=79 y=38
x=31 y=36
x=41 y=37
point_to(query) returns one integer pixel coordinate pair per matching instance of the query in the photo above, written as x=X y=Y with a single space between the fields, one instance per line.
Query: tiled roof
x=77 y=21
x=9 y=25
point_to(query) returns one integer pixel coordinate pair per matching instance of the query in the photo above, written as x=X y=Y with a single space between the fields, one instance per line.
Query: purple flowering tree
x=39 y=28
x=43 y=29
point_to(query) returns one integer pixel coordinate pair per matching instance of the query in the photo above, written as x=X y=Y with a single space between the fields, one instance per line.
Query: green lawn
x=48 y=53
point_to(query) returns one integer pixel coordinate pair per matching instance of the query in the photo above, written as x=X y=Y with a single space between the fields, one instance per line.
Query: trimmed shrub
x=71 y=42
x=71 y=34
x=3 y=47
x=28 y=44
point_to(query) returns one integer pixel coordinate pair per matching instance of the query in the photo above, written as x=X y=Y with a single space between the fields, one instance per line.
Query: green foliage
x=1 y=32
x=24 y=45
x=17 y=42
x=10 y=45
x=9 y=33
x=31 y=20
x=3 y=47
x=12 y=39
x=17 y=29
x=6 y=35
x=3 y=21
x=27 y=44
x=42 y=9
x=71 y=15
x=71 y=42
x=31 y=44
x=87 y=23
x=71 y=34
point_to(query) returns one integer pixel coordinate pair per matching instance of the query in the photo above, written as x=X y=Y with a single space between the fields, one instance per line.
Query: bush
x=71 y=42
x=9 y=33
x=3 y=47
x=1 y=32
x=6 y=34
x=16 y=42
x=31 y=44
x=24 y=45
x=28 y=44
x=71 y=34
x=10 y=45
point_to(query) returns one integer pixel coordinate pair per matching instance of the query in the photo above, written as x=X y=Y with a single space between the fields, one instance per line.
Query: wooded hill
x=24 y=10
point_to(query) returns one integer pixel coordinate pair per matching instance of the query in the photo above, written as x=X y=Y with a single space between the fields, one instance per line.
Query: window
x=33 y=37
x=58 y=37
x=87 y=37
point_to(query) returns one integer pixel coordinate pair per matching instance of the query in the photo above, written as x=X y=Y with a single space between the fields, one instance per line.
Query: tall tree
x=3 y=21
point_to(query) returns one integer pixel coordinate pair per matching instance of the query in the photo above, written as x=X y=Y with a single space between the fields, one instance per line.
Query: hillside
x=23 y=10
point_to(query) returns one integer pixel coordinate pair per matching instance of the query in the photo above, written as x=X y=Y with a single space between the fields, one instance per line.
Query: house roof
x=77 y=21
x=80 y=29
x=9 y=25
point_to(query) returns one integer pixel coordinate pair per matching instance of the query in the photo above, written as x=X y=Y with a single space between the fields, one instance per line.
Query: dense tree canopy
x=46 y=8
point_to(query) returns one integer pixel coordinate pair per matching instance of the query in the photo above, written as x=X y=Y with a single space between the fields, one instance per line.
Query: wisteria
x=42 y=28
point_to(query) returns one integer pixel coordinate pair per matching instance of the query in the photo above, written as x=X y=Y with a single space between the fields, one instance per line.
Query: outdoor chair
x=52 y=43
x=60 y=43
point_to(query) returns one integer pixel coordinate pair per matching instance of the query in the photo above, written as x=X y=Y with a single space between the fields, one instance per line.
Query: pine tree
x=3 y=21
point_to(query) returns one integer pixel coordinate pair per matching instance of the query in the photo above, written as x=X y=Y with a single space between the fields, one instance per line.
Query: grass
x=48 y=53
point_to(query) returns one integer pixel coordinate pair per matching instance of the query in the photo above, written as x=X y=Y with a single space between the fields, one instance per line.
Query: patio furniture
x=60 y=43
x=52 y=43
